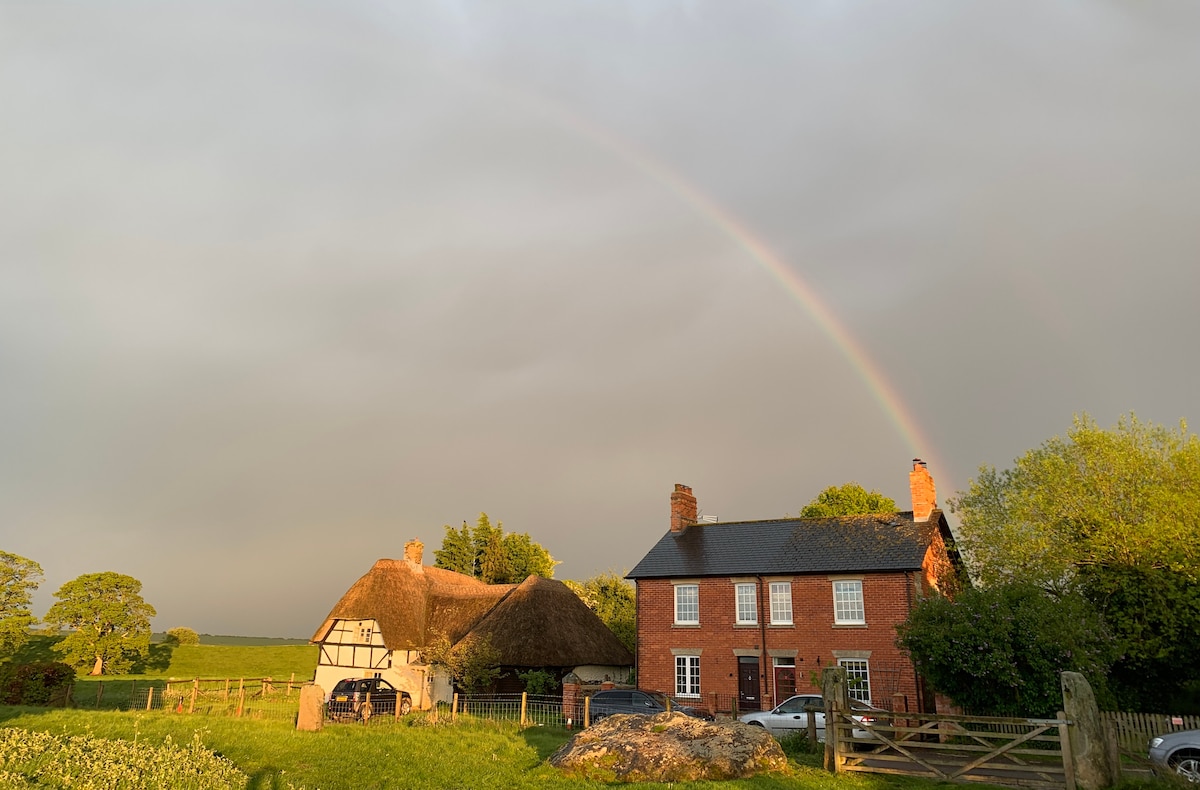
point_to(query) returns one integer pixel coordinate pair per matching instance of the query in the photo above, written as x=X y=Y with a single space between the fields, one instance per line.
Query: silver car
x=790 y=717
x=1178 y=752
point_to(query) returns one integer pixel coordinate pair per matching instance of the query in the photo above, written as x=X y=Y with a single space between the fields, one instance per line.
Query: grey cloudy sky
x=283 y=285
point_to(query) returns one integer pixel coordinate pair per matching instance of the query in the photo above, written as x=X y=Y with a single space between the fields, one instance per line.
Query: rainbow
x=883 y=392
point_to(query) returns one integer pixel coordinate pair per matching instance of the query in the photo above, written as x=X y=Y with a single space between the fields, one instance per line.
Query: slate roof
x=845 y=544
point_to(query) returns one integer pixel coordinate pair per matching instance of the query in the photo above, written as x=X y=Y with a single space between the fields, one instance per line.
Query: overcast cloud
x=284 y=285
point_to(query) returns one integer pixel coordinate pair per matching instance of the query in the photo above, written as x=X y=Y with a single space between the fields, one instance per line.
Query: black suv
x=362 y=698
x=606 y=703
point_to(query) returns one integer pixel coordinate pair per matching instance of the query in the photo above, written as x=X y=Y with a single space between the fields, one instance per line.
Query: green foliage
x=850 y=499
x=538 y=681
x=182 y=636
x=614 y=602
x=797 y=744
x=473 y=664
x=42 y=759
x=1128 y=496
x=19 y=577
x=109 y=622
x=1111 y=513
x=999 y=650
x=35 y=684
x=457 y=552
x=490 y=555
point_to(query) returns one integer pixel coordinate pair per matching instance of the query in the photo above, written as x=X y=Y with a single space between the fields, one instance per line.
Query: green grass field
x=464 y=755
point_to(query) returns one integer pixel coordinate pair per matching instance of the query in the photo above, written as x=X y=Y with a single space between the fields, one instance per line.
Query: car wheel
x=405 y=706
x=758 y=724
x=1187 y=765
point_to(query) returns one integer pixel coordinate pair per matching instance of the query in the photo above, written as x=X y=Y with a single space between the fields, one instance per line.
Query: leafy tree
x=19 y=577
x=489 y=554
x=457 y=552
x=1111 y=513
x=613 y=600
x=850 y=499
x=109 y=622
x=526 y=558
x=473 y=665
x=182 y=636
x=538 y=682
x=999 y=650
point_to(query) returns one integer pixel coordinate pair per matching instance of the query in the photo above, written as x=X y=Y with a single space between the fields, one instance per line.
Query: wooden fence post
x=241 y=696
x=837 y=700
x=225 y=698
x=149 y=697
x=524 y=699
x=587 y=711
x=1064 y=741
x=454 y=707
x=195 y=689
x=291 y=682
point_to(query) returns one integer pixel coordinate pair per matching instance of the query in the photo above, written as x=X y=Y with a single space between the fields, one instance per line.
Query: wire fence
x=255 y=698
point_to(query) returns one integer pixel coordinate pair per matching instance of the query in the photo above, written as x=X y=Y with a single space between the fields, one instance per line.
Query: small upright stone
x=312 y=709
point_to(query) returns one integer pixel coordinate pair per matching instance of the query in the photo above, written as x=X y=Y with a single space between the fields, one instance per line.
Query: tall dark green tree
x=491 y=555
x=457 y=552
x=1110 y=513
x=850 y=499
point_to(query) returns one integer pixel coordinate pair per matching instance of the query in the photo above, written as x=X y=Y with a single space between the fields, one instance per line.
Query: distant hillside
x=244 y=641
x=247 y=657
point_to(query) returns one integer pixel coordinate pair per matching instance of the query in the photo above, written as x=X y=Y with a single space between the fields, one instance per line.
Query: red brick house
x=753 y=610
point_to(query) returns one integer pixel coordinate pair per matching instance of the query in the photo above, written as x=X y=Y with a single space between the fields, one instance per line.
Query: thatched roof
x=542 y=623
x=537 y=623
x=408 y=601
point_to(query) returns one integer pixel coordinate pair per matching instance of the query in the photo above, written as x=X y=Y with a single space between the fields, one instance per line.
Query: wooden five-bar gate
x=1031 y=753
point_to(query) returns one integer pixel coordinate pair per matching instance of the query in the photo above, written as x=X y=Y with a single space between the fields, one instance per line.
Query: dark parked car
x=1178 y=752
x=606 y=703
x=362 y=698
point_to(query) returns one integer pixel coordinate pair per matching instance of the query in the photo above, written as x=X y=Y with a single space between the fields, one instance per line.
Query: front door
x=749 y=692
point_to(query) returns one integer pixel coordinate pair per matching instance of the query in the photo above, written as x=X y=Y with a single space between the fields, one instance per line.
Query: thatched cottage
x=384 y=620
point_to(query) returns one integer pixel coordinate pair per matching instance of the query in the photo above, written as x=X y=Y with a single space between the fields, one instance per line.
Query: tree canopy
x=613 y=600
x=490 y=554
x=1112 y=514
x=19 y=577
x=108 y=620
x=850 y=499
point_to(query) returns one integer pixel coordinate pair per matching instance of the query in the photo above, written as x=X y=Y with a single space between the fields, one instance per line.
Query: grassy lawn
x=409 y=754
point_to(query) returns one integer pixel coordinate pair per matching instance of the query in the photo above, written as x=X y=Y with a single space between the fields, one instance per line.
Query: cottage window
x=848 y=603
x=747 y=604
x=364 y=634
x=858 y=678
x=687 y=676
x=781 y=603
x=687 y=604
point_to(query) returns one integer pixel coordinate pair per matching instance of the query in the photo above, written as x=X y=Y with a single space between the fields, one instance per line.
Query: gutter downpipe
x=769 y=680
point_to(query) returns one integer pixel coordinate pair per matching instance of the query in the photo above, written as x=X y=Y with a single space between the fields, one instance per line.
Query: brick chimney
x=414 y=551
x=924 y=495
x=683 y=508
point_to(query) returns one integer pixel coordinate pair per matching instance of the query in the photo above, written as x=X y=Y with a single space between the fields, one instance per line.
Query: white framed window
x=687 y=676
x=687 y=604
x=858 y=678
x=848 y=603
x=365 y=632
x=747 y=604
x=781 y=603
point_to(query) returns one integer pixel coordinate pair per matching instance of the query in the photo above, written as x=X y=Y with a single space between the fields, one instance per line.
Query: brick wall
x=813 y=635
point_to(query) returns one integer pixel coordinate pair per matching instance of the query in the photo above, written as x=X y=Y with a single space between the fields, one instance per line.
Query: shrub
x=40 y=683
x=797 y=743
x=182 y=636
x=538 y=681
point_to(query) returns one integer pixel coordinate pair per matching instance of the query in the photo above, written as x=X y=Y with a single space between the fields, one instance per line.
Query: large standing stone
x=312 y=709
x=668 y=747
x=1096 y=763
